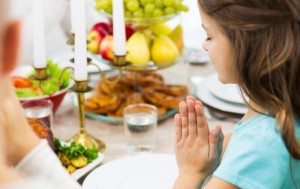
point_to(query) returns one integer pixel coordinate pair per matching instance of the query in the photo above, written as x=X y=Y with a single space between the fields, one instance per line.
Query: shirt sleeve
x=42 y=163
x=255 y=159
x=30 y=183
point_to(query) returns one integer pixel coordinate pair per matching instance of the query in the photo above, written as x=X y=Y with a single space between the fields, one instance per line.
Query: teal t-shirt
x=256 y=157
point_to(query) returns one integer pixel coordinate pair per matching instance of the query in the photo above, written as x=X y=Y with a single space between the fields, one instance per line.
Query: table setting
x=106 y=104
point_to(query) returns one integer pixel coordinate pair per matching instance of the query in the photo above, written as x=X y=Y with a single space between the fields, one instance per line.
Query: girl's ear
x=11 y=42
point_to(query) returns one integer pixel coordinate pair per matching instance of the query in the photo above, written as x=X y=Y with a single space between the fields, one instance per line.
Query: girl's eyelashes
x=208 y=38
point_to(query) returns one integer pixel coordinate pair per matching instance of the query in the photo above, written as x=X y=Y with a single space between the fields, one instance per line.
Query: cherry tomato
x=21 y=82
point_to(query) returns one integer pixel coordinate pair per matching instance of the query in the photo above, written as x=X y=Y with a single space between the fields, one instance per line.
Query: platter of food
x=77 y=159
x=107 y=102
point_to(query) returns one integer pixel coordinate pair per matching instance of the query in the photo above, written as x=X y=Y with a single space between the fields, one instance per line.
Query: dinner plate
x=115 y=120
x=150 y=171
x=203 y=93
x=63 y=59
x=226 y=92
x=82 y=171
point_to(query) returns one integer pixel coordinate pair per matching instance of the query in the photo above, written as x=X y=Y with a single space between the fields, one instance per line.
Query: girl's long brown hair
x=265 y=38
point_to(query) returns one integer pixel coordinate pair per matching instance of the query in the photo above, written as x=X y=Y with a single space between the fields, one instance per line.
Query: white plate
x=151 y=171
x=204 y=94
x=63 y=60
x=226 y=92
x=81 y=172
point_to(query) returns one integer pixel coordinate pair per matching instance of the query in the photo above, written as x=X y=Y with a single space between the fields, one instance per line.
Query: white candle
x=72 y=11
x=119 y=28
x=39 y=46
x=79 y=27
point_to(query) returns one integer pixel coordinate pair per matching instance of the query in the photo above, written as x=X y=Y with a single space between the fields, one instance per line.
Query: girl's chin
x=225 y=80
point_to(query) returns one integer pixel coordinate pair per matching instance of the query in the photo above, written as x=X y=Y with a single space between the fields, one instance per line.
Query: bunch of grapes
x=145 y=8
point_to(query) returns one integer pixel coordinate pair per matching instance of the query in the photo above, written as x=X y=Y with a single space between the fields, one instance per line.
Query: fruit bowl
x=153 y=32
x=151 y=47
x=144 y=21
x=151 y=66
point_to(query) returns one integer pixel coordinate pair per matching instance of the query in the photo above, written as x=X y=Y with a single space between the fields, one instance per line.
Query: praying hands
x=198 y=149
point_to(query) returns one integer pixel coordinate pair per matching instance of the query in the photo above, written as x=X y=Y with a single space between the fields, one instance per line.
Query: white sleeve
x=30 y=183
x=42 y=162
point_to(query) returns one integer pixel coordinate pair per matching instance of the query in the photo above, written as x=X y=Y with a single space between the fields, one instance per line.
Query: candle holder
x=81 y=87
x=40 y=74
x=83 y=137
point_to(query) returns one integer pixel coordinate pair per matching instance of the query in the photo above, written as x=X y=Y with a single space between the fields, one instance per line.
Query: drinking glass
x=41 y=110
x=140 y=122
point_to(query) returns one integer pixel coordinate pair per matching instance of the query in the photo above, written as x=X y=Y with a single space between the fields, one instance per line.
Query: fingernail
x=215 y=134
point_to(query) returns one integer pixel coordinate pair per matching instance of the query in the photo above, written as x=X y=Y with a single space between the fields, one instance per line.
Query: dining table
x=66 y=120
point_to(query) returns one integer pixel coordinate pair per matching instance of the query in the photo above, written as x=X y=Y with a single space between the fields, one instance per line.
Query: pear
x=160 y=29
x=176 y=36
x=149 y=37
x=164 y=50
x=138 y=50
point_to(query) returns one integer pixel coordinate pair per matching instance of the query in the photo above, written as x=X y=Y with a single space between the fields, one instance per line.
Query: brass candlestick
x=83 y=137
x=40 y=74
x=81 y=87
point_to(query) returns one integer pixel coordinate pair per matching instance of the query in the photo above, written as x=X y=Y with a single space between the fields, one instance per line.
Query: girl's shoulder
x=262 y=135
x=256 y=148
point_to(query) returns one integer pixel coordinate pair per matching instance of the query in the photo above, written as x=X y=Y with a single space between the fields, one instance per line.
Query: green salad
x=75 y=150
x=74 y=156
x=26 y=87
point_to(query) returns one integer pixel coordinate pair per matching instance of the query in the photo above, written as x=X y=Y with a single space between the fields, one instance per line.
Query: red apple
x=129 y=31
x=106 y=48
x=94 y=39
x=103 y=28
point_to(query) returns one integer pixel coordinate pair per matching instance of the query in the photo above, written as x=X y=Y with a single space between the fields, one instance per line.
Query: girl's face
x=219 y=50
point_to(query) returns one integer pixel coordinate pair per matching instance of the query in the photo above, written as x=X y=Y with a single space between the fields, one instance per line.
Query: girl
x=255 y=44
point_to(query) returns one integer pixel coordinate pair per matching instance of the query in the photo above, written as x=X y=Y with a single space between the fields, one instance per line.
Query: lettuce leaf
x=25 y=92
x=53 y=84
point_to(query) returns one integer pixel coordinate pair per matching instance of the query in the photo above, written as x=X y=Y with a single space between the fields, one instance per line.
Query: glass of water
x=40 y=110
x=140 y=121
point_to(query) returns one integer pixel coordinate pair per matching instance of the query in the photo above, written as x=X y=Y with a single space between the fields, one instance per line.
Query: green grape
x=145 y=2
x=168 y=3
x=138 y=13
x=157 y=13
x=128 y=14
x=159 y=4
x=102 y=5
x=177 y=3
x=182 y=7
x=108 y=10
x=149 y=8
x=169 y=10
x=132 y=6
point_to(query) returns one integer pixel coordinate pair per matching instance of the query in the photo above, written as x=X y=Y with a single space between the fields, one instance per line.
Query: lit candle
x=119 y=28
x=39 y=46
x=79 y=28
